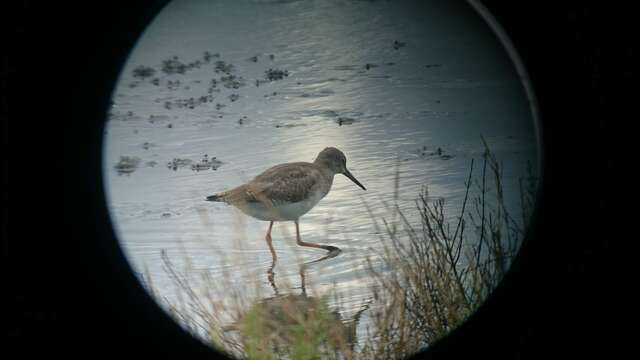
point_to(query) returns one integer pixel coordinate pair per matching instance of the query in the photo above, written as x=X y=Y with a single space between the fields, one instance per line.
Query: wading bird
x=285 y=192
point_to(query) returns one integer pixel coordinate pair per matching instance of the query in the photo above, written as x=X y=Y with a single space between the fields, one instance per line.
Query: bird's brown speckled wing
x=292 y=182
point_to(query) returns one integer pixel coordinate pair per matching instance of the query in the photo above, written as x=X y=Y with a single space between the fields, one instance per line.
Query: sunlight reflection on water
x=399 y=110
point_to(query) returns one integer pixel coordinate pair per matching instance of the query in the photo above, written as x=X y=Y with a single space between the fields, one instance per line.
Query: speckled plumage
x=279 y=186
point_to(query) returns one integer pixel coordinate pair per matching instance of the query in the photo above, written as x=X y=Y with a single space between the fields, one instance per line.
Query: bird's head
x=336 y=161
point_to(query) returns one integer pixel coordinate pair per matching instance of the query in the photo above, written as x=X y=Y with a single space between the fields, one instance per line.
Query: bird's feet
x=333 y=250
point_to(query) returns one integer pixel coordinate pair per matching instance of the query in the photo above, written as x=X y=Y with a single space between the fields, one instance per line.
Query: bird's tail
x=230 y=196
x=215 y=197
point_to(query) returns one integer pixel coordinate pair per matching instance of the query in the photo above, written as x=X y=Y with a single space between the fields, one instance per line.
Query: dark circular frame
x=510 y=323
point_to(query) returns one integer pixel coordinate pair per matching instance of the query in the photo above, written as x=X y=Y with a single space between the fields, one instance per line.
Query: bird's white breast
x=283 y=211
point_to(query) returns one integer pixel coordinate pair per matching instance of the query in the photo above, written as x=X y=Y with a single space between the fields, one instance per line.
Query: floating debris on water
x=224 y=67
x=143 y=72
x=190 y=103
x=344 y=67
x=148 y=145
x=439 y=153
x=288 y=125
x=234 y=97
x=207 y=56
x=153 y=118
x=398 y=44
x=272 y=57
x=253 y=58
x=151 y=163
x=432 y=65
x=206 y=164
x=370 y=66
x=273 y=94
x=433 y=113
x=200 y=166
x=177 y=163
x=127 y=164
x=275 y=74
x=172 y=85
x=321 y=93
x=232 y=81
x=343 y=120
x=173 y=66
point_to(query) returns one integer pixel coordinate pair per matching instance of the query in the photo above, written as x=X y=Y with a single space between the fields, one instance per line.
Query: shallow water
x=450 y=84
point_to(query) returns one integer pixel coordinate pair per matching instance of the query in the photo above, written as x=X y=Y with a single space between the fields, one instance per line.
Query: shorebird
x=285 y=192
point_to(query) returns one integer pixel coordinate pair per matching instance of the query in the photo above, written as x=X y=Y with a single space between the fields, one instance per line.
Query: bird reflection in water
x=303 y=267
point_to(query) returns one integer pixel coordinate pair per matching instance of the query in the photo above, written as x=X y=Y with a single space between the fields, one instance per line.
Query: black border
x=59 y=65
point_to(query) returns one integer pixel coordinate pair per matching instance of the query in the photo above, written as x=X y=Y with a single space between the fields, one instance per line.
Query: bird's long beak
x=348 y=174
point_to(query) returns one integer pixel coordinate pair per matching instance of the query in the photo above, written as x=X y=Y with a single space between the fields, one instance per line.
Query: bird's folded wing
x=286 y=183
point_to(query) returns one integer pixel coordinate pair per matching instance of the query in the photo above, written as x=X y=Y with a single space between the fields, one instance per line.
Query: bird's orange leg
x=302 y=243
x=269 y=240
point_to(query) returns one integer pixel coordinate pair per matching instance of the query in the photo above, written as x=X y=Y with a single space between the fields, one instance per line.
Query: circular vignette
x=520 y=70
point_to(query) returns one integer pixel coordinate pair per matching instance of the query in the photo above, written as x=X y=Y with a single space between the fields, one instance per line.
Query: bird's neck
x=327 y=173
x=322 y=162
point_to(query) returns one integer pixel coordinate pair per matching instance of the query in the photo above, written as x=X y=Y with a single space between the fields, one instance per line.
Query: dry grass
x=293 y=326
x=441 y=272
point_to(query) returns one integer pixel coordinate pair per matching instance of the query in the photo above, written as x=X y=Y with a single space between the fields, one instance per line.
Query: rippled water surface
x=444 y=84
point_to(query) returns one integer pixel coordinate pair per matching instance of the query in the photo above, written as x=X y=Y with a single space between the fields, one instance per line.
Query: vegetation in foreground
x=442 y=272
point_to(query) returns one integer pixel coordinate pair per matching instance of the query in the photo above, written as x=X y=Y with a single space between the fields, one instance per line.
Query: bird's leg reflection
x=271 y=276
x=303 y=267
